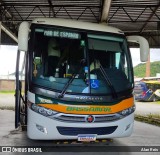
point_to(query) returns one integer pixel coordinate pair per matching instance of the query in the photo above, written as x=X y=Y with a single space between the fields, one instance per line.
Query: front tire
x=154 y=99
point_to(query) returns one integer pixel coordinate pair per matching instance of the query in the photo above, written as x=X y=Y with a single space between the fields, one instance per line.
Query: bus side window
x=117 y=60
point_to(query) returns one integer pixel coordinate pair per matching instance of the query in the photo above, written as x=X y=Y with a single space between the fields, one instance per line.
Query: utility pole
x=148 y=66
x=0 y=33
x=105 y=11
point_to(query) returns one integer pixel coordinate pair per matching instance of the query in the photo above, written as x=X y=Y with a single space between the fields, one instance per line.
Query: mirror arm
x=144 y=46
x=23 y=33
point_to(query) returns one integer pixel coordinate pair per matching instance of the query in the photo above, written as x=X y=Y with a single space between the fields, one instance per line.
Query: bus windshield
x=70 y=61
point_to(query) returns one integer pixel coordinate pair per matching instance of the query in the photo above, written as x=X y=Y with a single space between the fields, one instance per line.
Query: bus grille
x=71 y=131
x=82 y=118
x=71 y=118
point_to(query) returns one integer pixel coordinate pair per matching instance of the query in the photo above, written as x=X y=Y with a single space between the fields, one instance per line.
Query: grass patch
x=7 y=92
x=7 y=108
x=153 y=119
x=154 y=116
x=157 y=102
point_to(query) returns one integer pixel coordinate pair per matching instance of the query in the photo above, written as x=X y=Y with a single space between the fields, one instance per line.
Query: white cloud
x=135 y=53
x=7 y=59
x=155 y=55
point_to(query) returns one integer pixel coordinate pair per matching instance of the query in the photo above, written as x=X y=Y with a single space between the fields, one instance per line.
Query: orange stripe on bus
x=90 y=109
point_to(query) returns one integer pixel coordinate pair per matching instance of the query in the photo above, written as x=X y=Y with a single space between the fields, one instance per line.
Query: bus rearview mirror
x=23 y=36
x=144 y=46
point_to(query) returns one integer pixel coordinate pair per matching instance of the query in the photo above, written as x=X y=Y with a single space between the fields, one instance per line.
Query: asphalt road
x=145 y=108
x=7 y=100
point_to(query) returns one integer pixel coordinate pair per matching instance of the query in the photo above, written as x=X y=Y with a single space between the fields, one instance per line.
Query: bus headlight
x=50 y=112
x=41 y=110
x=128 y=111
x=125 y=112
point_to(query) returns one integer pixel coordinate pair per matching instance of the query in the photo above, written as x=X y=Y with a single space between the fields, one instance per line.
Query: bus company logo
x=6 y=149
x=89 y=109
x=42 y=100
x=90 y=119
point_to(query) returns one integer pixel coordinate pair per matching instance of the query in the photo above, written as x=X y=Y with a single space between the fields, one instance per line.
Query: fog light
x=127 y=127
x=41 y=128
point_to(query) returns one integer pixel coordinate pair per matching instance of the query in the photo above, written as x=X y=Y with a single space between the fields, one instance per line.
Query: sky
x=8 y=58
x=135 y=53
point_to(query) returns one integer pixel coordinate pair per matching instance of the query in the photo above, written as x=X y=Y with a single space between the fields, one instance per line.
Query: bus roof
x=103 y=27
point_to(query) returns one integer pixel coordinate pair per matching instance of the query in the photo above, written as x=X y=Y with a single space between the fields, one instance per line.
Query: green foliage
x=7 y=92
x=140 y=69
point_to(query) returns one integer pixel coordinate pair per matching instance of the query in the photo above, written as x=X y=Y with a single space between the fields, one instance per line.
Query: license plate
x=86 y=138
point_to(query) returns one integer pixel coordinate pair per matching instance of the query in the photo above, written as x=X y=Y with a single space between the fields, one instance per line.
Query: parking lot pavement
x=143 y=135
x=145 y=108
x=7 y=100
x=7 y=122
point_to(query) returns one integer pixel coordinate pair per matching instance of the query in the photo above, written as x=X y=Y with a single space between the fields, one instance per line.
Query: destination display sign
x=62 y=34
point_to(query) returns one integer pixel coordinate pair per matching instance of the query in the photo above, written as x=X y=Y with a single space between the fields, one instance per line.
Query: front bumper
x=54 y=129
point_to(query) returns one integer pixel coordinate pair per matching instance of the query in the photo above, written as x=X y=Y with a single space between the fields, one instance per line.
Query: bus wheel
x=22 y=114
x=154 y=99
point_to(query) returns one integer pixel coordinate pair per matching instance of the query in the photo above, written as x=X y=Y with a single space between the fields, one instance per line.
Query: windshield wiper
x=66 y=86
x=109 y=83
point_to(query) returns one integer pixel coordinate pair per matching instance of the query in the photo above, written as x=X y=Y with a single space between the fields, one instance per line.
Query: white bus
x=78 y=80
